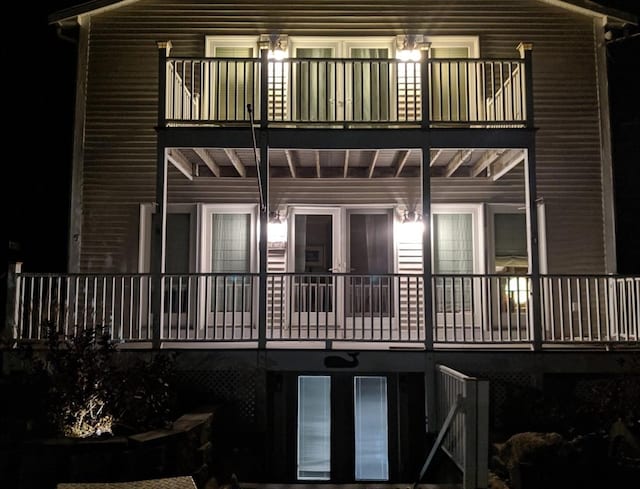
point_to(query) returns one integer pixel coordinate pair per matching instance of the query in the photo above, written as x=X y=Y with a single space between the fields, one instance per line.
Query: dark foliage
x=83 y=380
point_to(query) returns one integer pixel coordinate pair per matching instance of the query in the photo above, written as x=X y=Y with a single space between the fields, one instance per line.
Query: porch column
x=426 y=245
x=425 y=89
x=525 y=50
x=264 y=223
x=263 y=182
x=13 y=302
x=158 y=237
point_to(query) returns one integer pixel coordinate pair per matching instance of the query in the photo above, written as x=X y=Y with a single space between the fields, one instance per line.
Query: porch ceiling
x=362 y=163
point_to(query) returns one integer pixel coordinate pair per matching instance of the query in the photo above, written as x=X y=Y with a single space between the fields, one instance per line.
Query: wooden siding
x=120 y=139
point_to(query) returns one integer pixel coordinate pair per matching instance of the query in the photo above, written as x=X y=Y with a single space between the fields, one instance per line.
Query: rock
x=530 y=447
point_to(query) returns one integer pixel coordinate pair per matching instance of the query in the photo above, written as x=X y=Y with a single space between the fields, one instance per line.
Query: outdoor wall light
x=409 y=47
x=412 y=227
x=276 y=44
x=277 y=229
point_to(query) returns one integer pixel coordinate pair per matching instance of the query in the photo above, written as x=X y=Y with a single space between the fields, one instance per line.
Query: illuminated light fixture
x=276 y=44
x=518 y=289
x=277 y=230
x=409 y=47
x=412 y=227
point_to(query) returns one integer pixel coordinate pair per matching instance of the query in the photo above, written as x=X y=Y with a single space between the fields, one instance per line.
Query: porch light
x=276 y=44
x=409 y=47
x=276 y=230
x=412 y=227
x=518 y=289
x=408 y=55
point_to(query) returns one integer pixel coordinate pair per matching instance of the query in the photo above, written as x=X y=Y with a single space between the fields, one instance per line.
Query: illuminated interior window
x=314 y=428
x=371 y=428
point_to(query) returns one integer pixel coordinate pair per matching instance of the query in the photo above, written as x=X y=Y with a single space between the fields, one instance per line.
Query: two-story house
x=318 y=203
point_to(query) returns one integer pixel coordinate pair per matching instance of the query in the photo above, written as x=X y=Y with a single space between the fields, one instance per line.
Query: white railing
x=210 y=307
x=117 y=303
x=465 y=400
x=590 y=309
x=481 y=310
x=346 y=307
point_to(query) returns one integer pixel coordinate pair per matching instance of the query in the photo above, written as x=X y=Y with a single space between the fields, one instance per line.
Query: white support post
x=13 y=299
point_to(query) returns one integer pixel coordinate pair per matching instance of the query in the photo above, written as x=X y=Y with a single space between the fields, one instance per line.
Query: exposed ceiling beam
x=317 y=155
x=235 y=161
x=292 y=166
x=486 y=160
x=178 y=160
x=504 y=166
x=208 y=160
x=459 y=158
x=403 y=156
x=435 y=157
x=345 y=171
x=372 y=165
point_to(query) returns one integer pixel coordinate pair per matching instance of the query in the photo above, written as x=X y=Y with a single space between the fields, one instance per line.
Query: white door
x=314 y=256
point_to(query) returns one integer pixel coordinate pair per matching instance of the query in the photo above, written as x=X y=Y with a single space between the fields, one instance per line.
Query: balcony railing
x=467 y=310
x=434 y=92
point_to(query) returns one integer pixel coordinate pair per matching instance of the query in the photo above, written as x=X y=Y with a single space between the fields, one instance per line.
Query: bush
x=91 y=388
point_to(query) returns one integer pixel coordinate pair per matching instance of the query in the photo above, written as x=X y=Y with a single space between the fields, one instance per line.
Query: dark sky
x=38 y=149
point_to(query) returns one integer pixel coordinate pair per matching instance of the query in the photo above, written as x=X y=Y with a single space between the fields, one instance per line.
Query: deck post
x=526 y=50
x=13 y=300
x=427 y=298
x=531 y=196
x=159 y=224
x=263 y=182
x=425 y=90
x=164 y=49
x=263 y=249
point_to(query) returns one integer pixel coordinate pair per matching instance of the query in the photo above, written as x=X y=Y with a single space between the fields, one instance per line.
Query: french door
x=369 y=287
x=314 y=258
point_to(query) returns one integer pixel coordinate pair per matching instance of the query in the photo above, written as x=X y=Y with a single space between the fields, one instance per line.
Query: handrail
x=472 y=92
x=483 y=310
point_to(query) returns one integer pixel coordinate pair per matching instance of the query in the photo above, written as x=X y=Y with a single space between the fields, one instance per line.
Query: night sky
x=39 y=82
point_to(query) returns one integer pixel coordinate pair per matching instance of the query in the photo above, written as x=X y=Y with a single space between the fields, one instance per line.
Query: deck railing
x=463 y=418
x=480 y=310
x=462 y=92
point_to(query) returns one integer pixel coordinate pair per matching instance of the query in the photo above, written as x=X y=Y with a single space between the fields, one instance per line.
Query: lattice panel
x=235 y=389
x=500 y=384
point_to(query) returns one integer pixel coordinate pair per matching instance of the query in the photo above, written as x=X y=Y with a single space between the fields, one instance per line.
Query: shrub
x=92 y=388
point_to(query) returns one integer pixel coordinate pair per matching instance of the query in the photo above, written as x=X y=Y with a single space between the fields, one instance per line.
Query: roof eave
x=71 y=14
x=586 y=7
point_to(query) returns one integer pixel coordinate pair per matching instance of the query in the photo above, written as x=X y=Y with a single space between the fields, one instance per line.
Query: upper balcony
x=346 y=92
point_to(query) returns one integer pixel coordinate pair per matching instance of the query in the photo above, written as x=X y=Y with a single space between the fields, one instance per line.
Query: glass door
x=368 y=84
x=315 y=84
x=314 y=258
x=450 y=82
x=453 y=265
x=234 y=78
x=228 y=259
x=369 y=287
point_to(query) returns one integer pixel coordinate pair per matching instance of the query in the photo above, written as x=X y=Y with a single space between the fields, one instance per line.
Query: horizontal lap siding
x=120 y=140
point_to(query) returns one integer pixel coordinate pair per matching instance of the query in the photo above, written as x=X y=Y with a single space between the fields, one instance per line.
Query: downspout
x=61 y=35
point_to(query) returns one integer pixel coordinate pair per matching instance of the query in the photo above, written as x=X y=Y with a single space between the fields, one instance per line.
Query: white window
x=314 y=428
x=181 y=238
